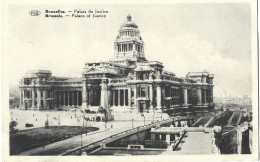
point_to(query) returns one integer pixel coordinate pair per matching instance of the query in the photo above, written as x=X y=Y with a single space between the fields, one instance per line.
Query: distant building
x=128 y=81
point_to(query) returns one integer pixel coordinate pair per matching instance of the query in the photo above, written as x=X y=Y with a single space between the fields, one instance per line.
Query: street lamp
x=161 y=115
x=132 y=120
x=59 y=120
x=12 y=115
x=75 y=112
x=47 y=115
x=144 y=118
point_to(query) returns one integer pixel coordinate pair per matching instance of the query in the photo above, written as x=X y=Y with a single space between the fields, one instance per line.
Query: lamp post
x=161 y=115
x=153 y=114
x=75 y=112
x=47 y=115
x=59 y=120
x=12 y=115
x=144 y=118
x=80 y=141
x=132 y=120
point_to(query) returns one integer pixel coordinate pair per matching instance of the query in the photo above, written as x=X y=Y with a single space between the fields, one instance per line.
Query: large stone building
x=126 y=82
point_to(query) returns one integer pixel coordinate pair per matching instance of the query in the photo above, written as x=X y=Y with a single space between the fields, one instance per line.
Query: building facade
x=128 y=81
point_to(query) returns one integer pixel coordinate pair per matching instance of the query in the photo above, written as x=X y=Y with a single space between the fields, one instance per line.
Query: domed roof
x=129 y=23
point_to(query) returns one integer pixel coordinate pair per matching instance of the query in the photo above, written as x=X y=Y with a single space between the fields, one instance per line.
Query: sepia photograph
x=164 y=79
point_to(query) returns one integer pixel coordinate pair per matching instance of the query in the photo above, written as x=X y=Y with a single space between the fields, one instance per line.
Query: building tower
x=128 y=42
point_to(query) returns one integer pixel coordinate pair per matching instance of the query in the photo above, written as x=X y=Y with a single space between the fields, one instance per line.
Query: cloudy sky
x=185 y=37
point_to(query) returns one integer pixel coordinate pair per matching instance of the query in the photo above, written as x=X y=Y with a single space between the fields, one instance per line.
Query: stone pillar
x=118 y=96
x=129 y=97
x=59 y=99
x=124 y=97
x=151 y=96
x=135 y=95
x=205 y=96
x=109 y=96
x=104 y=95
x=64 y=98
x=68 y=98
x=159 y=95
x=114 y=97
x=84 y=94
x=168 y=139
x=33 y=99
x=199 y=100
x=185 y=96
x=211 y=96
x=44 y=98
x=21 y=97
x=38 y=99
x=72 y=95
x=77 y=98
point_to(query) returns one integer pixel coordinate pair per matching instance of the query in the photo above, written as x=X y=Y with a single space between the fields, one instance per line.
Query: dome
x=129 y=23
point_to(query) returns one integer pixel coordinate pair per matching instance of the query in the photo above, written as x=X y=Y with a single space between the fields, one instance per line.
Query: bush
x=12 y=130
x=98 y=118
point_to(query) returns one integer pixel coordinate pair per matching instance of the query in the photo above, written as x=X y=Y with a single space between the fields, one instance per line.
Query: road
x=60 y=147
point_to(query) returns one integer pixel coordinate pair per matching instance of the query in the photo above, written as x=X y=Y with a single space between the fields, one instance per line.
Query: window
x=142 y=92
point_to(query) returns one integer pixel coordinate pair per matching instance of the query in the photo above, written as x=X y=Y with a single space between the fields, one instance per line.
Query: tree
x=12 y=130
x=100 y=109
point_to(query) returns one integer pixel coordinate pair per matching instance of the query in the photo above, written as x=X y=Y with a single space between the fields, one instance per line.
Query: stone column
x=64 y=98
x=68 y=98
x=211 y=96
x=104 y=95
x=84 y=94
x=90 y=97
x=59 y=98
x=21 y=97
x=44 y=98
x=109 y=96
x=151 y=96
x=205 y=96
x=124 y=97
x=72 y=100
x=135 y=95
x=77 y=98
x=199 y=100
x=168 y=139
x=33 y=99
x=114 y=97
x=159 y=95
x=118 y=96
x=185 y=96
x=38 y=99
x=129 y=97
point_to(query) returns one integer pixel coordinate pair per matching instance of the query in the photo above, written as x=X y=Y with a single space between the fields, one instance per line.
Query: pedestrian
x=36 y=119
x=71 y=117
x=111 y=126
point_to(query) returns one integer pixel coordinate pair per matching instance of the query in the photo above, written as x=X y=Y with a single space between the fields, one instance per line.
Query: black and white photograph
x=122 y=80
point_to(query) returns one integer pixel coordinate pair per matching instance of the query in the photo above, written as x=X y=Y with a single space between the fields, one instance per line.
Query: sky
x=184 y=37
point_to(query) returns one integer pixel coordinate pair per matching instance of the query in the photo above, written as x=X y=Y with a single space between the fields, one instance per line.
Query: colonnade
x=121 y=97
x=68 y=98
x=128 y=33
x=125 y=47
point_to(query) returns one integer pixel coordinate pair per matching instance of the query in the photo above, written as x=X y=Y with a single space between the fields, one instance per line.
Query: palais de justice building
x=127 y=81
